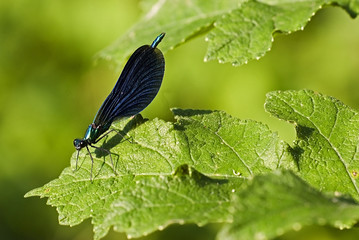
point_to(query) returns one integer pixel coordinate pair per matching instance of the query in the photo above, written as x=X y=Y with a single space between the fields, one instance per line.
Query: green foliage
x=210 y=167
x=200 y=167
x=327 y=130
x=154 y=181
x=278 y=202
x=237 y=30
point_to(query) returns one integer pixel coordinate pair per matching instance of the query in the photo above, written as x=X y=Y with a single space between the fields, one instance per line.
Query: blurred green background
x=50 y=90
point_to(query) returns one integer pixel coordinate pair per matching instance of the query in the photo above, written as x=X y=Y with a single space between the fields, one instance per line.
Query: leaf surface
x=182 y=172
x=236 y=30
x=327 y=143
x=278 y=202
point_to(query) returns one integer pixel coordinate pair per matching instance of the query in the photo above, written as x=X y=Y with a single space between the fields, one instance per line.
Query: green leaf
x=327 y=146
x=182 y=172
x=237 y=30
x=211 y=167
x=219 y=144
x=275 y=203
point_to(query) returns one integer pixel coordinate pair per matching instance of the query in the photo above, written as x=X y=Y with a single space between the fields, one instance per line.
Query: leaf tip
x=34 y=193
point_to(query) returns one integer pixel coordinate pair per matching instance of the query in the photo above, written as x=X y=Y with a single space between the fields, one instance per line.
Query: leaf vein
x=328 y=141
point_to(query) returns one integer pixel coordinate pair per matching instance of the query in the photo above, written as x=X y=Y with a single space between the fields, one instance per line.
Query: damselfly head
x=79 y=143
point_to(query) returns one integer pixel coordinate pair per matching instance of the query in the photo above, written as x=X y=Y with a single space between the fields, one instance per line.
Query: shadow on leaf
x=303 y=132
x=180 y=125
x=136 y=121
x=184 y=171
x=296 y=152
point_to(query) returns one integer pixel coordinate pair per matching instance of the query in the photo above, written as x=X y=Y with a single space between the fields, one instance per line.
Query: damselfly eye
x=79 y=144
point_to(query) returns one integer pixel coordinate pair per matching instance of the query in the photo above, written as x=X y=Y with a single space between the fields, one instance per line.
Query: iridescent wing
x=137 y=85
